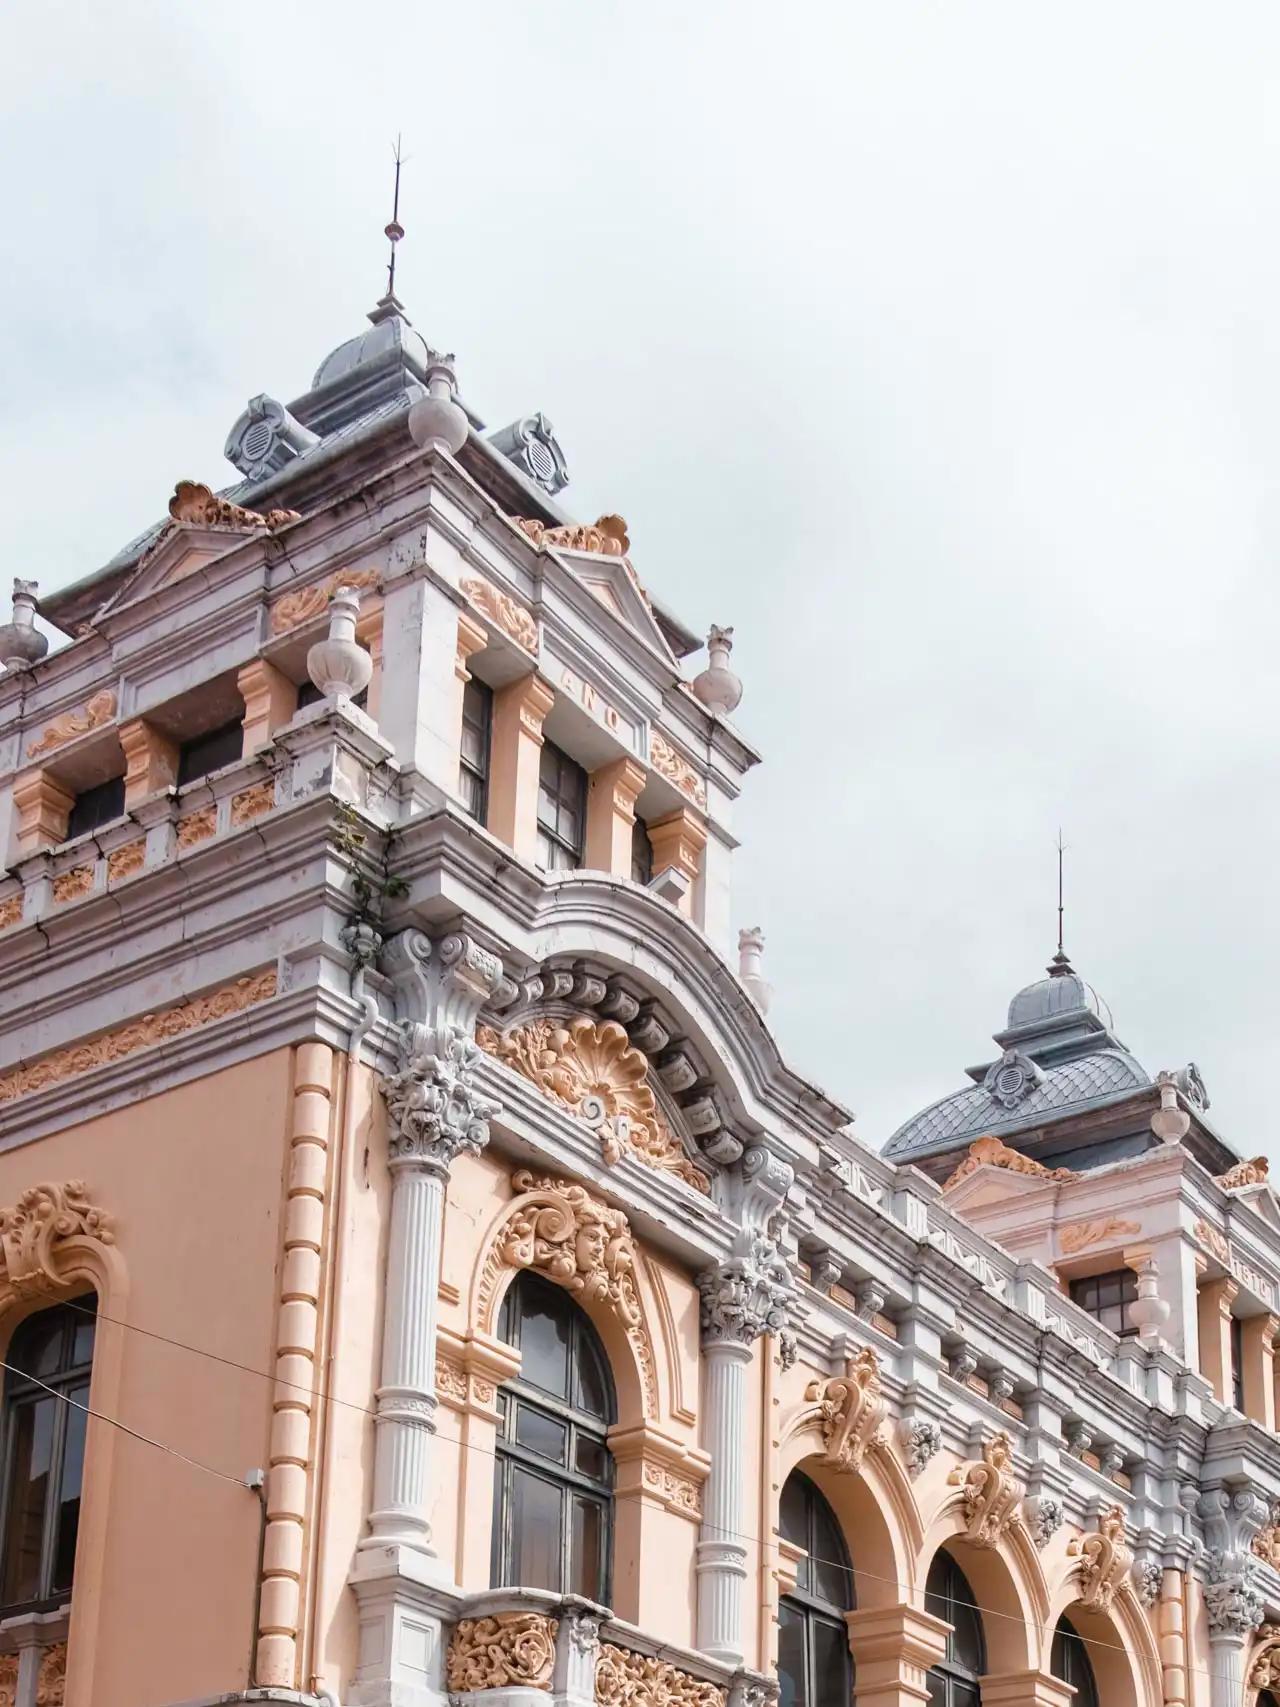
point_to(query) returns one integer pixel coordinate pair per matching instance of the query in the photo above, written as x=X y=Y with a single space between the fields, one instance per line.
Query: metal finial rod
x=1061 y=851
x=394 y=231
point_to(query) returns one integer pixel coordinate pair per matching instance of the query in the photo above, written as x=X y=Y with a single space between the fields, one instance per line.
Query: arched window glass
x=814 y=1668
x=553 y=1500
x=1069 y=1660
x=46 y=1386
x=953 y=1682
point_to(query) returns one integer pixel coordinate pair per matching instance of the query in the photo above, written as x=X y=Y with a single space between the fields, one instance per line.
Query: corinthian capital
x=443 y=983
x=751 y=1293
x=436 y=1111
x=1232 y=1598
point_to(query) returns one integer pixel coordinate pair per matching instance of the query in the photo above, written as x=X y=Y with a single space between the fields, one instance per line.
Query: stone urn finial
x=21 y=642
x=338 y=665
x=717 y=687
x=751 y=969
x=1170 y=1122
x=1149 y=1311
x=437 y=421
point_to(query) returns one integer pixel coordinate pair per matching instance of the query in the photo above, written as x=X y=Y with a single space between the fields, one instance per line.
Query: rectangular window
x=1108 y=1297
x=641 y=853
x=207 y=753
x=473 y=753
x=1237 y=1363
x=562 y=810
x=96 y=806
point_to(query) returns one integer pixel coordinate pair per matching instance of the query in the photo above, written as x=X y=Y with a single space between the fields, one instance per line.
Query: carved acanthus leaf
x=921 y=1438
x=752 y=1292
x=33 y=1229
x=96 y=711
x=436 y=1111
x=608 y=536
x=991 y=1491
x=990 y=1152
x=592 y=1070
x=509 y=1649
x=198 y=504
x=137 y=1034
x=1254 y=1172
x=514 y=621
x=1083 y=1233
x=624 y=1679
x=676 y=768
x=293 y=609
x=851 y=1410
x=1105 y=1559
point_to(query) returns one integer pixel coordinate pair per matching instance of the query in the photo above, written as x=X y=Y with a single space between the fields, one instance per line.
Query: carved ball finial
x=436 y=421
x=751 y=967
x=21 y=642
x=1169 y=1122
x=717 y=687
x=338 y=665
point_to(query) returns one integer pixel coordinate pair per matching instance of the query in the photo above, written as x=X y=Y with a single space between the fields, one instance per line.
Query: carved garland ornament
x=561 y=1231
x=608 y=537
x=990 y=1152
x=991 y=1493
x=1214 y=1241
x=514 y=621
x=624 y=1679
x=100 y=709
x=1083 y=1233
x=1105 y=1559
x=42 y=1219
x=511 y=1648
x=593 y=1071
x=850 y=1410
x=138 y=1034
x=307 y=603
x=200 y=505
x=676 y=768
x=1253 y=1172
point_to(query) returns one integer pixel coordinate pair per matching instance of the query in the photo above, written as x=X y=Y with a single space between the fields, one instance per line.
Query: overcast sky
x=935 y=347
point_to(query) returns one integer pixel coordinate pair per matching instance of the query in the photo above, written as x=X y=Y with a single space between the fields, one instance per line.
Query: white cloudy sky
x=936 y=347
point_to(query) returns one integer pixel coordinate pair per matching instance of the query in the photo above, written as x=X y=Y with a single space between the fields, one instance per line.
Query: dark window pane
x=82 y=1341
x=562 y=795
x=206 y=753
x=544 y=1347
x=66 y=1523
x=591 y=1458
x=793 y=1513
x=594 y=1392
x=937 y=1689
x=541 y=1434
x=586 y=1575
x=96 y=806
x=641 y=853
x=37 y=1347
x=473 y=754
x=830 y=1685
x=31 y=1455
x=536 y=1536
x=791 y=1656
x=832 y=1580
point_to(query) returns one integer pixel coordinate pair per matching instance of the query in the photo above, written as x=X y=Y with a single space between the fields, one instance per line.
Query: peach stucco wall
x=165 y=1572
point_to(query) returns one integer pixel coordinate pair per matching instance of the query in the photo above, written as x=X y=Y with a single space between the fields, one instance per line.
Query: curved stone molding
x=436 y=1111
x=624 y=1679
x=1254 y=1172
x=1104 y=1559
x=308 y=603
x=850 y=1411
x=138 y=1034
x=1084 y=1233
x=676 y=768
x=559 y=1230
x=511 y=1648
x=990 y=1152
x=991 y=1493
x=199 y=505
x=608 y=537
x=514 y=621
x=42 y=1219
x=96 y=711
x=592 y=1069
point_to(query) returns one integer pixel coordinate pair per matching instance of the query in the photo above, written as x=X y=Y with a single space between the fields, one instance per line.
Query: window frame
x=813 y=1610
x=22 y=1392
x=477 y=775
x=550 y=836
x=518 y=1395
x=1125 y=1282
x=957 y=1683
x=1069 y=1661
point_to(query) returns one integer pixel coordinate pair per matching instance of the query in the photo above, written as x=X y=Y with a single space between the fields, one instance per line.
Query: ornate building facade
x=421 y=1275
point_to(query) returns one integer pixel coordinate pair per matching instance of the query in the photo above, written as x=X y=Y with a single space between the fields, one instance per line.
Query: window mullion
x=53 y=1493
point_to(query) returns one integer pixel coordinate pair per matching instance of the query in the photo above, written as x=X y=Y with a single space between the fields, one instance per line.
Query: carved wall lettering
x=990 y=1152
x=514 y=621
x=138 y=1034
x=592 y=1070
x=1084 y=1233
x=100 y=709
x=850 y=1410
x=308 y=603
x=676 y=768
x=991 y=1492
x=511 y=1648
x=624 y=1679
x=1105 y=1559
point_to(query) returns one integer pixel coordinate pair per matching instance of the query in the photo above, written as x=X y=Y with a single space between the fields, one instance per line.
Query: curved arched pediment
x=589 y=1067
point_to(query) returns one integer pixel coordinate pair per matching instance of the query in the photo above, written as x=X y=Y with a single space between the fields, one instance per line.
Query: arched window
x=953 y=1682
x=553 y=1499
x=49 y=1361
x=814 y=1668
x=1069 y=1660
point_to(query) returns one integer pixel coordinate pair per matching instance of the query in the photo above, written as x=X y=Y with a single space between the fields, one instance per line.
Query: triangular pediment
x=990 y=1186
x=180 y=550
x=613 y=581
x=1262 y=1200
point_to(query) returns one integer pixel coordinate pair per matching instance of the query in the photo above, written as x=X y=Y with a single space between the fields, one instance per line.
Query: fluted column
x=749 y=1294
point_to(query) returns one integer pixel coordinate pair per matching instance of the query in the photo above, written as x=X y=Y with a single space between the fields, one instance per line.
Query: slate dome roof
x=392 y=335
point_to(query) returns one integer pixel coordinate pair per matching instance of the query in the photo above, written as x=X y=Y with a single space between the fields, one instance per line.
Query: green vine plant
x=349 y=839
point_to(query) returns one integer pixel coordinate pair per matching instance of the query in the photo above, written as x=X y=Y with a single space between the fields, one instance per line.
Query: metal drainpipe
x=359 y=1031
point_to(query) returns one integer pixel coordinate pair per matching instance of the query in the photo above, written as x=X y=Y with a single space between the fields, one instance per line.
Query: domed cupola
x=1064 y=991
x=385 y=365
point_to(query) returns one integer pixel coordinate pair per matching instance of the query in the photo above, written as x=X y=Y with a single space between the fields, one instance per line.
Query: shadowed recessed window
x=46 y=1385
x=1069 y=1660
x=953 y=1682
x=562 y=810
x=641 y=852
x=814 y=1666
x=1108 y=1297
x=96 y=806
x=553 y=1498
x=204 y=754
x=473 y=752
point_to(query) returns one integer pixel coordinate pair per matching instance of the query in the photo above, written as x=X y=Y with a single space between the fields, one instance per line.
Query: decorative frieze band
x=626 y=1679
x=138 y=1034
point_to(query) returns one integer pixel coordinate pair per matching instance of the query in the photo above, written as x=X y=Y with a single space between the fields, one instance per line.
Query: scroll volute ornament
x=575 y=1240
x=1264 y=1668
x=34 y=1228
x=1105 y=1559
x=850 y=1410
x=511 y=1648
x=991 y=1491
